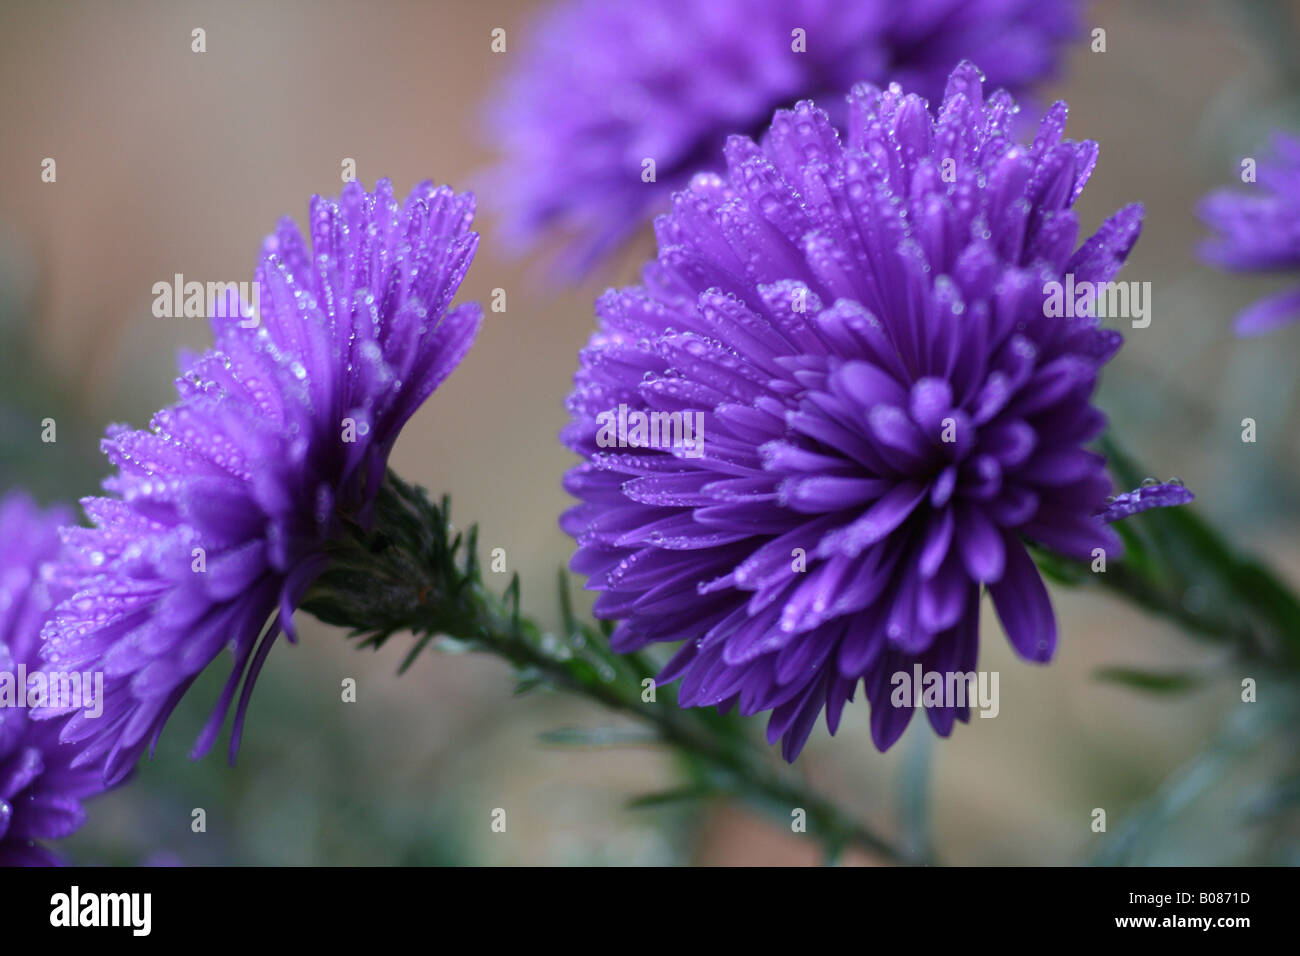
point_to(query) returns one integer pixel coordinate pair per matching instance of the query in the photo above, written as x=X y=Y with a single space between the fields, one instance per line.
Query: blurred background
x=171 y=162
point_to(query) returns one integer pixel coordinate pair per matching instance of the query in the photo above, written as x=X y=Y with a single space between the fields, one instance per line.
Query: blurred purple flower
x=602 y=85
x=1259 y=231
x=222 y=512
x=883 y=413
x=40 y=792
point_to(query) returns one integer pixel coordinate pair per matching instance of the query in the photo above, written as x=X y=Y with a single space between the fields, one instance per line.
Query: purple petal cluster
x=220 y=515
x=884 y=414
x=1152 y=494
x=40 y=790
x=1258 y=230
x=602 y=85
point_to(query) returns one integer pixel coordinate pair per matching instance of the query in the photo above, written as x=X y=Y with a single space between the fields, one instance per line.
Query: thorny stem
x=677 y=727
x=408 y=573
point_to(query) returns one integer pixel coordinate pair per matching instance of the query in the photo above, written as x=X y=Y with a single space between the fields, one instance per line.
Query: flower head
x=882 y=413
x=220 y=515
x=1259 y=231
x=602 y=86
x=40 y=791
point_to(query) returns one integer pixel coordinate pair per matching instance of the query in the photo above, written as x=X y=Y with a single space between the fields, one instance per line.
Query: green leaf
x=1160 y=682
x=528 y=683
x=676 y=795
x=1179 y=563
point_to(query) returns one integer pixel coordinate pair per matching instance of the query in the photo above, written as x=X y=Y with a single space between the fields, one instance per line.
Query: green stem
x=752 y=774
x=1206 y=623
x=408 y=572
x=1178 y=566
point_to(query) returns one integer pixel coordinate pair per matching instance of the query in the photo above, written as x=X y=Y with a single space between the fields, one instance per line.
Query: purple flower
x=221 y=513
x=1259 y=231
x=603 y=85
x=40 y=791
x=881 y=413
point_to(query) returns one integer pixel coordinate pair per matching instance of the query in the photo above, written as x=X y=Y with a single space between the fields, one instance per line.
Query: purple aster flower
x=602 y=85
x=1259 y=231
x=863 y=410
x=40 y=791
x=221 y=515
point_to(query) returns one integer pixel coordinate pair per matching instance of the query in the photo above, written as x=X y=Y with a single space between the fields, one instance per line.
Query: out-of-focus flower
x=602 y=86
x=222 y=514
x=839 y=407
x=1258 y=230
x=40 y=791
